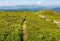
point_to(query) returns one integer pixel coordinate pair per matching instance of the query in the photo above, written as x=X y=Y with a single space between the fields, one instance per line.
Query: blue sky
x=29 y=2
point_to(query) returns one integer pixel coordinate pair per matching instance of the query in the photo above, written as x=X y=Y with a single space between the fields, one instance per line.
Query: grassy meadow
x=30 y=26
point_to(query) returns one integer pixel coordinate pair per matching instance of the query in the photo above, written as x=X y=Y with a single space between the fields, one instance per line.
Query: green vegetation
x=30 y=26
x=50 y=14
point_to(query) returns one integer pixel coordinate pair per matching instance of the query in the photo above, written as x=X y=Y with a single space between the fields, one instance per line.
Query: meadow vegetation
x=30 y=26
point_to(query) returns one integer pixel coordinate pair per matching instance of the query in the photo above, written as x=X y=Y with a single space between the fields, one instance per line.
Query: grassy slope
x=37 y=29
x=10 y=26
x=40 y=30
x=50 y=14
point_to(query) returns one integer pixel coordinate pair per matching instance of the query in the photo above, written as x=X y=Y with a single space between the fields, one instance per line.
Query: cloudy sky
x=29 y=2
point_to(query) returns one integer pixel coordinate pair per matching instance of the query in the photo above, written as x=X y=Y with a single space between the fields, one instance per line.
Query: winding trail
x=23 y=29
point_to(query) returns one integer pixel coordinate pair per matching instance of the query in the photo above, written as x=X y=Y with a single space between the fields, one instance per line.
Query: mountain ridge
x=28 y=8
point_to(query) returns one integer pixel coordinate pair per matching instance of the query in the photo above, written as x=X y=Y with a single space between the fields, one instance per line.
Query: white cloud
x=50 y=3
x=43 y=3
x=38 y=3
x=6 y=1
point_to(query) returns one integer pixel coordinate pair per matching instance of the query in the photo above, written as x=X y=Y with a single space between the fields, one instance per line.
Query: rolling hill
x=30 y=26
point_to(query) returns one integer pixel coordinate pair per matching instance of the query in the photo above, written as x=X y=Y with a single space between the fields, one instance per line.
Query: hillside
x=30 y=26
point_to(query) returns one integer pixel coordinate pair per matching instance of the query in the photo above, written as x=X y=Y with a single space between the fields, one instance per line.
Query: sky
x=29 y=2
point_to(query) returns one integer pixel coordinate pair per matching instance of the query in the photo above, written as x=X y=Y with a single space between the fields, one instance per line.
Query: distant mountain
x=56 y=9
x=29 y=8
x=22 y=8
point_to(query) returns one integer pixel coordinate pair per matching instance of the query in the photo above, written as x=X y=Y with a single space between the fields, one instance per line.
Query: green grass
x=41 y=30
x=37 y=29
x=10 y=26
x=50 y=14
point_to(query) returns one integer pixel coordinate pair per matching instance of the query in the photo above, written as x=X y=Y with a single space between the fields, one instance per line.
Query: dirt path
x=23 y=29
